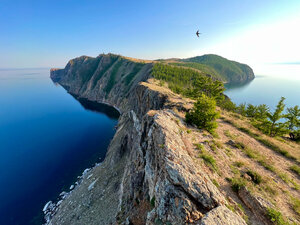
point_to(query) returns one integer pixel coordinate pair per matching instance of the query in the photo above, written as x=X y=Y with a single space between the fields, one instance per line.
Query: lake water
x=47 y=139
x=271 y=82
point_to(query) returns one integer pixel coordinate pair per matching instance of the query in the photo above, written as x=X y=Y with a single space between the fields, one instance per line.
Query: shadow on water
x=109 y=111
x=238 y=86
x=93 y=106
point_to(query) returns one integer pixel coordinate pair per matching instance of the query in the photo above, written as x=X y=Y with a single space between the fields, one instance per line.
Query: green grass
x=130 y=76
x=228 y=134
x=86 y=67
x=234 y=169
x=295 y=202
x=256 y=178
x=250 y=153
x=295 y=169
x=263 y=141
x=286 y=179
x=238 y=164
x=276 y=217
x=216 y=143
x=266 y=165
x=209 y=160
x=269 y=189
x=112 y=77
x=228 y=70
x=239 y=145
x=103 y=70
x=199 y=146
x=201 y=67
x=215 y=183
x=237 y=183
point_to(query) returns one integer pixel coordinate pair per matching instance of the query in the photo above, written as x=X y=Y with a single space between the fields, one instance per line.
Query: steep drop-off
x=148 y=175
x=152 y=173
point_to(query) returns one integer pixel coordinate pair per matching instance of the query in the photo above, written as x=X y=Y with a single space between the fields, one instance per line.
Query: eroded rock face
x=258 y=205
x=148 y=175
x=222 y=216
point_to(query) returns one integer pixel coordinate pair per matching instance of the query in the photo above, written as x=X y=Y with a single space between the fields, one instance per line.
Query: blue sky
x=49 y=33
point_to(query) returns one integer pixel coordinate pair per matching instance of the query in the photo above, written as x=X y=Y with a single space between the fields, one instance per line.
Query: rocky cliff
x=148 y=176
x=152 y=173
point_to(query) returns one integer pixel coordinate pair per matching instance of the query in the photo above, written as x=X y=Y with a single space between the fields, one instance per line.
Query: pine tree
x=261 y=112
x=293 y=122
x=276 y=127
x=204 y=113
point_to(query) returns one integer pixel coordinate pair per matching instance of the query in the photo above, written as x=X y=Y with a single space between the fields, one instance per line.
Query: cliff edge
x=152 y=173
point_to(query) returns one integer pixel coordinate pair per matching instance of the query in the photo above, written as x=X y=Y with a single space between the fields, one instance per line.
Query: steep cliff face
x=149 y=175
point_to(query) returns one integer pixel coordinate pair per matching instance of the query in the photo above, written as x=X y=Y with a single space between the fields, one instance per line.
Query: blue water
x=47 y=138
x=268 y=86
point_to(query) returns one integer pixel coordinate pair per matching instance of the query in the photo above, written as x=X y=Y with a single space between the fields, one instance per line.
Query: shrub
x=256 y=178
x=237 y=183
x=276 y=217
x=203 y=114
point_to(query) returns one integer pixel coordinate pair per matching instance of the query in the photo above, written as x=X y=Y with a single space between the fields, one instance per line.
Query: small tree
x=293 y=122
x=276 y=127
x=251 y=110
x=204 y=113
x=261 y=112
x=241 y=109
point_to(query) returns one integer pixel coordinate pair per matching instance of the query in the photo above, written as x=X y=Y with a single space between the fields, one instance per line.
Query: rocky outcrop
x=149 y=175
x=222 y=216
x=258 y=205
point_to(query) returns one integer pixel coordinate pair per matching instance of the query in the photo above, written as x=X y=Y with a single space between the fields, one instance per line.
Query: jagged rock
x=148 y=175
x=222 y=216
x=256 y=204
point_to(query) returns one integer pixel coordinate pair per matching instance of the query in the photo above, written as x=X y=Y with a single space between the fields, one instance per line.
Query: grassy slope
x=229 y=71
x=276 y=178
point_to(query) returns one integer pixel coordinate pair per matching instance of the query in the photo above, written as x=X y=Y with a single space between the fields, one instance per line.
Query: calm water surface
x=269 y=85
x=47 y=138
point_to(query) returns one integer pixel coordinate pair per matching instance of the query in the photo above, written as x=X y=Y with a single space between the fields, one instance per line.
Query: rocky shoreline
x=51 y=207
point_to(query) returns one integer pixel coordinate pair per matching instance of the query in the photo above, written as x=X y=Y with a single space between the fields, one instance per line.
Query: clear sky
x=46 y=33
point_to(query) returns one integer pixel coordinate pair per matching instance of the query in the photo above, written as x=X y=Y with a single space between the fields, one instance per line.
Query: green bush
x=203 y=114
x=237 y=183
x=276 y=217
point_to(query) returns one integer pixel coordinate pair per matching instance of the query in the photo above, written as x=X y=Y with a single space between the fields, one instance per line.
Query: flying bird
x=197 y=33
